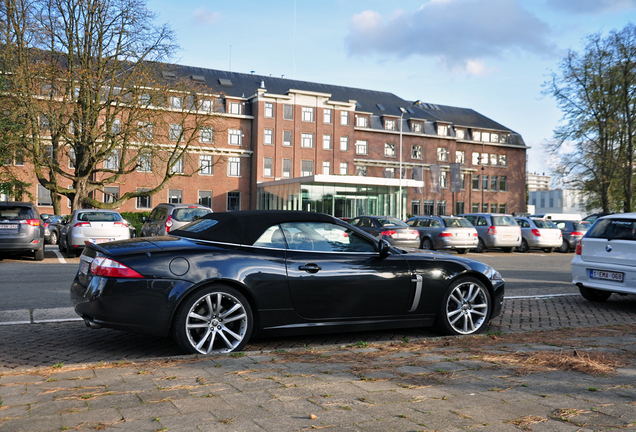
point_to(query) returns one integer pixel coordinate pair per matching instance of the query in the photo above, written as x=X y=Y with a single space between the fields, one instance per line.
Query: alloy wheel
x=467 y=307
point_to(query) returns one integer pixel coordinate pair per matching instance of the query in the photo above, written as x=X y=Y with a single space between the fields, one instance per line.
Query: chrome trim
x=418 y=292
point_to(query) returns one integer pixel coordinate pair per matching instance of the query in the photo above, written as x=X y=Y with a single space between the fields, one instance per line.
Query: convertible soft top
x=244 y=227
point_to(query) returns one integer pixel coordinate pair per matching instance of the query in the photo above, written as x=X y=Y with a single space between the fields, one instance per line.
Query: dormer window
x=417 y=127
x=460 y=133
x=390 y=124
x=442 y=130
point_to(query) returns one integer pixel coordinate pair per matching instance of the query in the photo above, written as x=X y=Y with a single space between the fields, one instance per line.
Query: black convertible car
x=223 y=278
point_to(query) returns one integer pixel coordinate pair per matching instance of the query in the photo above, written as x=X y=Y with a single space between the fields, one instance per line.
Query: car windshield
x=540 y=223
x=504 y=221
x=452 y=223
x=391 y=222
x=582 y=226
x=189 y=214
x=16 y=213
x=614 y=229
x=99 y=217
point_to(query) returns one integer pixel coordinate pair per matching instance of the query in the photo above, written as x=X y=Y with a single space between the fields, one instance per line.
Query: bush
x=135 y=218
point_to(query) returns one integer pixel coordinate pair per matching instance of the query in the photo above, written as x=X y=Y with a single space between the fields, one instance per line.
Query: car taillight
x=33 y=222
x=46 y=224
x=492 y=230
x=81 y=224
x=445 y=234
x=475 y=234
x=579 y=248
x=168 y=224
x=577 y=233
x=536 y=232
x=102 y=266
x=388 y=233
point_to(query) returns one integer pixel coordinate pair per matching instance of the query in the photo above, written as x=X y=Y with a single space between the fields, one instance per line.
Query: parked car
x=392 y=229
x=91 y=226
x=21 y=229
x=557 y=216
x=222 y=278
x=51 y=224
x=445 y=232
x=539 y=234
x=592 y=218
x=572 y=232
x=166 y=217
x=604 y=262
x=495 y=230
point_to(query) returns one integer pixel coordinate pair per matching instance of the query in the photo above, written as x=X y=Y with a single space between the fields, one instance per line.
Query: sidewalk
x=564 y=380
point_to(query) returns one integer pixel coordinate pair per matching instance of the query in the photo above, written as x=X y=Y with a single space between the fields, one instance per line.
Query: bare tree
x=86 y=79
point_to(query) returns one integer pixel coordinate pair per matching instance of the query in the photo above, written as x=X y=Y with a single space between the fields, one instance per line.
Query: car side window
x=325 y=237
x=152 y=215
x=481 y=221
x=435 y=224
x=272 y=237
x=560 y=225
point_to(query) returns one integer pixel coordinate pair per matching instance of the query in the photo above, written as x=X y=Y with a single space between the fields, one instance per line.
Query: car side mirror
x=385 y=248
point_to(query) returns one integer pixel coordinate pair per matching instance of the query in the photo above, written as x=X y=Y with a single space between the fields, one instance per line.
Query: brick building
x=287 y=144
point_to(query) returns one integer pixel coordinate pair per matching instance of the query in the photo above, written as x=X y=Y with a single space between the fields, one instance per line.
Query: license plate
x=509 y=237
x=101 y=240
x=84 y=267
x=8 y=226
x=605 y=275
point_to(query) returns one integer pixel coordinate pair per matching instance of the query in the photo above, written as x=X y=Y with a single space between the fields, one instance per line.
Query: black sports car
x=217 y=281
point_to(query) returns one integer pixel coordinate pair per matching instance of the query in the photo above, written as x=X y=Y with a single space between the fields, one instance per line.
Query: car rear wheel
x=465 y=308
x=39 y=254
x=427 y=244
x=523 y=247
x=215 y=319
x=564 y=248
x=481 y=246
x=594 y=295
x=53 y=238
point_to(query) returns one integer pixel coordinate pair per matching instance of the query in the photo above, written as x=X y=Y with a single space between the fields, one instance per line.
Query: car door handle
x=310 y=268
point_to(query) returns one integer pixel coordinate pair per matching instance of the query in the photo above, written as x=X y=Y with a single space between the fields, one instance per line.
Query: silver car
x=392 y=229
x=166 y=217
x=93 y=226
x=445 y=232
x=539 y=234
x=495 y=230
x=21 y=229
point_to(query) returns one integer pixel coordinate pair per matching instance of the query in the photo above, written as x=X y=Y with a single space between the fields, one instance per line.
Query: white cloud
x=592 y=6
x=204 y=16
x=461 y=34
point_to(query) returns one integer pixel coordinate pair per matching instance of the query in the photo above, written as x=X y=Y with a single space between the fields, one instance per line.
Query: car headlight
x=495 y=276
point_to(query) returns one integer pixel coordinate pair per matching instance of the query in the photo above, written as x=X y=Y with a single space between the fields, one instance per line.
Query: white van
x=558 y=216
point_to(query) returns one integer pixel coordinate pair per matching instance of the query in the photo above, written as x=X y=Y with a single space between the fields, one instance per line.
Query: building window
x=287 y=138
x=144 y=202
x=145 y=130
x=205 y=198
x=326 y=116
x=206 y=135
x=326 y=167
x=502 y=208
x=44 y=196
x=144 y=161
x=205 y=165
x=442 y=154
x=111 y=194
x=115 y=127
x=484 y=207
x=307 y=140
x=444 y=179
x=344 y=143
x=441 y=208
x=19 y=158
x=484 y=183
x=236 y=108
x=503 y=184
x=442 y=130
x=306 y=168
x=476 y=158
x=460 y=157
x=344 y=118
x=177 y=165
x=389 y=150
x=362 y=121
x=476 y=136
x=494 y=138
x=389 y=124
x=287 y=167
x=361 y=147
x=416 y=207
x=234 y=137
x=388 y=173
x=484 y=159
x=111 y=161
x=269 y=110
x=417 y=127
x=234 y=166
x=175 y=132
x=460 y=133
x=308 y=114
x=459 y=207
x=493 y=207
x=207 y=105
x=463 y=181
x=361 y=171
x=233 y=201
x=176 y=102
x=475 y=207
x=416 y=152
x=503 y=161
x=344 y=168
x=268 y=167
x=485 y=136
x=175 y=196
x=493 y=183
x=288 y=112
x=326 y=142
x=493 y=160
x=428 y=207
x=475 y=182
x=268 y=138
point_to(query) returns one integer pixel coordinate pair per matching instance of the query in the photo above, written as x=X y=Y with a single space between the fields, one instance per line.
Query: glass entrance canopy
x=336 y=195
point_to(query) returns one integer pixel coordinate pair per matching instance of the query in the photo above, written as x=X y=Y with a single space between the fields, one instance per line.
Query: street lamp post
x=404 y=110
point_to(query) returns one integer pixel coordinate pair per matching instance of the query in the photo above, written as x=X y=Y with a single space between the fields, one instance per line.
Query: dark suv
x=21 y=229
x=166 y=217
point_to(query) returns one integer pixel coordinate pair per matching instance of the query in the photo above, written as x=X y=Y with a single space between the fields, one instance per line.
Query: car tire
x=508 y=249
x=565 y=247
x=60 y=247
x=481 y=246
x=523 y=247
x=427 y=244
x=594 y=295
x=465 y=308
x=462 y=251
x=39 y=254
x=53 y=238
x=548 y=250
x=199 y=329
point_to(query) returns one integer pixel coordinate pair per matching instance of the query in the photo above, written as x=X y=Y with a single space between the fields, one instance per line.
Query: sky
x=493 y=56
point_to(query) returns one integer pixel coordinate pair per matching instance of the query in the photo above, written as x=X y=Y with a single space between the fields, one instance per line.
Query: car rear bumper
x=415 y=244
x=543 y=243
x=581 y=276
x=11 y=245
x=492 y=241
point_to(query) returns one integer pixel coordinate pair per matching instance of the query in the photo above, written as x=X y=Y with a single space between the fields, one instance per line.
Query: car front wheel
x=53 y=238
x=216 y=319
x=565 y=247
x=594 y=295
x=465 y=308
x=481 y=246
x=523 y=248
